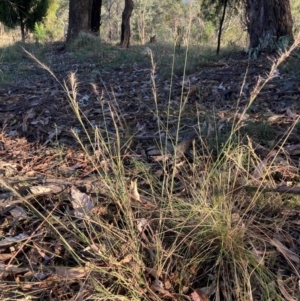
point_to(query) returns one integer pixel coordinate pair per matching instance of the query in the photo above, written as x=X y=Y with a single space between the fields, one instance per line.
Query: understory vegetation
x=158 y=172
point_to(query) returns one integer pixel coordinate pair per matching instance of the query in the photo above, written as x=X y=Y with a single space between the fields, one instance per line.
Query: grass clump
x=176 y=221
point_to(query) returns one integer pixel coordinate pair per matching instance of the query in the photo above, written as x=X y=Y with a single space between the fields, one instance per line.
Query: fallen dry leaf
x=288 y=254
x=291 y=114
x=134 y=190
x=158 y=287
x=5 y=256
x=283 y=290
x=72 y=273
x=126 y=259
x=260 y=168
x=293 y=149
x=198 y=295
x=18 y=212
x=11 y=269
x=7 y=241
x=81 y=202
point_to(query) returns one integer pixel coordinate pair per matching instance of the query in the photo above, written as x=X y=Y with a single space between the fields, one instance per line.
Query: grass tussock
x=201 y=223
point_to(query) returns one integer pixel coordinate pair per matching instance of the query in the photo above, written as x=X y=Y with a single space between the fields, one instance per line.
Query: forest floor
x=106 y=195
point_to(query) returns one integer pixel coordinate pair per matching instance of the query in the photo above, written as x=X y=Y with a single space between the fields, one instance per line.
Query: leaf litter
x=43 y=164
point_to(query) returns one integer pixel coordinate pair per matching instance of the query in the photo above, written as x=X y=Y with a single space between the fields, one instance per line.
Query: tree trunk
x=96 y=16
x=109 y=26
x=268 y=20
x=79 y=18
x=125 y=27
x=221 y=26
x=22 y=25
x=1 y=29
x=141 y=24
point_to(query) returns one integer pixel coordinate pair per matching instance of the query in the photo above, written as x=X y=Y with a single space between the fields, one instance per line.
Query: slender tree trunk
x=23 y=32
x=125 y=27
x=141 y=22
x=79 y=18
x=1 y=29
x=109 y=9
x=22 y=25
x=109 y=25
x=221 y=25
x=141 y=26
x=96 y=16
x=268 y=20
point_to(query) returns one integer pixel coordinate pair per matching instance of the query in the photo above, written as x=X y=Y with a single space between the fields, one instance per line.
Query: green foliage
x=23 y=13
x=40 y=33
x=173 y=21
x=53 y=25
x=295 y=8
x=211 y=9
x=216 y=11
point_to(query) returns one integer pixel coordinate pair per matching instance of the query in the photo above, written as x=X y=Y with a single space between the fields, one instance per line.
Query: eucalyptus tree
x=23 y=13
x=175 y=18
x=142 y=18
x=84 y=16
x=268 y=22
x=96 y=16
x=216 y=10
x=79 y=18
x=125 y=26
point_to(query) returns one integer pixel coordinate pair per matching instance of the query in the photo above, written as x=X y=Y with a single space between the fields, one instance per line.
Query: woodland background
x=167 y=20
